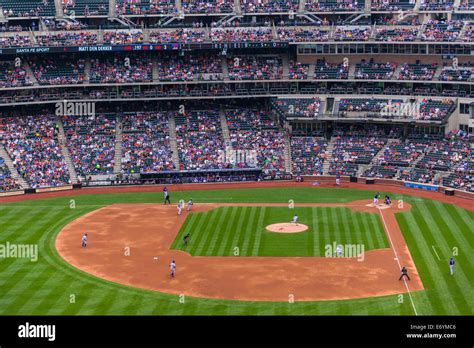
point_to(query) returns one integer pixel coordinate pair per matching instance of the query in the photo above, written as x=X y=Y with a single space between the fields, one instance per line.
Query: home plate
x=396 y=258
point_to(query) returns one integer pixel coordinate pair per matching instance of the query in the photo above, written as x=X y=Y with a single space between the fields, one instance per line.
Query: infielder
x=84 y=240
x=166 y=195
x=189 y=205
x=338 y=179
x=172 y=268
x=451 y=265
x=339 y=252
x=180 y=207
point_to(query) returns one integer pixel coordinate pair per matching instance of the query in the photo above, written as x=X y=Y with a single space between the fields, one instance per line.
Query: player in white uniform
x=189 y=205
x=172 y=269
x=180 y=207
x=339 y=252
x=295 y=220
x=84 y=240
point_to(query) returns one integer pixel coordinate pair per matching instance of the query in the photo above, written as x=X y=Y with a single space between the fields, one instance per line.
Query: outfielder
x=451 y=265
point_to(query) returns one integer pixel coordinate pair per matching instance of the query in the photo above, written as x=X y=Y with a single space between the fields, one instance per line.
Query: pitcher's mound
x=287 y=228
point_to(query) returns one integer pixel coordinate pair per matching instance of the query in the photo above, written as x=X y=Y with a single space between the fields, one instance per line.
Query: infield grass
x=45 y=287
x=219 y=231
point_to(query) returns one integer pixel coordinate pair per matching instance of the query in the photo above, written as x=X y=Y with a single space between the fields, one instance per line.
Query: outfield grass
x=45 y=287
x=219 y=231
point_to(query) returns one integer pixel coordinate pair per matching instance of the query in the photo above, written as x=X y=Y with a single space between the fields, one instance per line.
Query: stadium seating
x=11 y=76
x=7 y=183
x=60 y=71
x=28 y=8
x=254 y=68
x=118 y=69
x=374 y=71
x=308 y=155
x=325 y=70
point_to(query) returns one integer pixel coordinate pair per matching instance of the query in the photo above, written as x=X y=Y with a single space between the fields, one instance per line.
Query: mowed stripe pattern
x=232 y=231
x=434 y=232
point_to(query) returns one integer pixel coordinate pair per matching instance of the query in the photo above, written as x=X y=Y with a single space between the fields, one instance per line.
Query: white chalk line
x=398 y=261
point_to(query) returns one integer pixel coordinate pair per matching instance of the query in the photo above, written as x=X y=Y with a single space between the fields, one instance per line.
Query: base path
x=148 y=230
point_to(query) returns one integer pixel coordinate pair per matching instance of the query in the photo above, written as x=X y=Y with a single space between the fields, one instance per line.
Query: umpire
x=404 y=273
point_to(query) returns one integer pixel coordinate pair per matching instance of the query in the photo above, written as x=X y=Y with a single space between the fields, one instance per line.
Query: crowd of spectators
x=396 y=34
x=179 y=35
x=15 y=41
x=200 y=141
x=302 y=34
x=457 y=75
x=326 y=70
x=392 y=5
x=362 y=104
x=254 y=131
x=7 y=183
x=189 y=68
x=417 y=71
x=297 y=107
x=32 y=8
x=352 y=34
x=269 y=6
x=121 y=69
x=431 y=109
x=123 y=37
x=308 y=155
x=298 y=71
x=31 y=142
x=62 y=71
x=255 y=68
x=91 y=143
x=207 y=6
x=13 y=76
x=442 y=30
x=81 y=38
x=433 y=5
x=333 y=5
x=241 y=34
x=145 y=143
x=140 y=7
x=370 y=70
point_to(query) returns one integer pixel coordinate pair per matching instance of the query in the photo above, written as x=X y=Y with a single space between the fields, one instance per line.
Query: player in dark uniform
x=84 y=241
x=166 y=195
x=388 y=201
x=404 y=273
x=186 y=239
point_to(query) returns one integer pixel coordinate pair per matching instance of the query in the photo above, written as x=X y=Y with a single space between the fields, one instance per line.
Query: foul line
x=398 y=261
x=433 y=247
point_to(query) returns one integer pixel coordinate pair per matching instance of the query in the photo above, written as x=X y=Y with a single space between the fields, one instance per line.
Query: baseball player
x=166 y=195
x=339 y=252
x=376 y=199
x=404 y=273
x=295 y=219
x=388 y=201
x=338 y=179
x=180 y=207
x=186 y=239
x=189 y=205
x=172 y=268
x=451 y=265
x=84 y=240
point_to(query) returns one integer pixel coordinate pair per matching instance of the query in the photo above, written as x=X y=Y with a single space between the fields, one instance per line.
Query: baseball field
x=232 y=265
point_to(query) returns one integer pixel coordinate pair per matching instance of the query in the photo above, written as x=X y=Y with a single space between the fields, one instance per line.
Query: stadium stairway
x=58 y=6
x=62 y=141
x=118 y=145
x=112 y=9
x=87 y=70
x=173 y=143
x=155 y=73
x=397 y=72
x=8 y=161
x=224 y=127
x=288 y=164
x=225 y=68
x=30 y=73
x=286 y=68
x=413 y=165
x=438 y=72
x=379 y=154
x=328 y=159
x=311 y=71
x=2 y=16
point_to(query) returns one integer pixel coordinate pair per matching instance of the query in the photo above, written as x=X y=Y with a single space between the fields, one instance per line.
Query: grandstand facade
x=142 y=91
